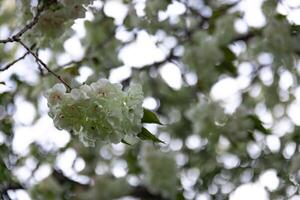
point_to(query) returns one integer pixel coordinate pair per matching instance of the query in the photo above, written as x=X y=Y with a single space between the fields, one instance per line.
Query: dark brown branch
x=7 y=40
x=14 y=62
x=27 y=27
x=16 y=38
x=17 y=60
x=39 y=65
x=44 y=64
x=33 y=22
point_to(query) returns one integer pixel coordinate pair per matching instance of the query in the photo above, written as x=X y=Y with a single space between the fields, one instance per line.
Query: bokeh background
x=167 y=47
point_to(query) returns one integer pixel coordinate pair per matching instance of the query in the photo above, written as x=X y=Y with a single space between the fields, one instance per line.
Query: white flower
x=86 y=90
x=76 y=94
x=99 y=88
x=100 y=112
x=56 y=94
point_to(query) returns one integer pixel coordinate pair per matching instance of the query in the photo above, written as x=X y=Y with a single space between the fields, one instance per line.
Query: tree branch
x=29 y=26
x=44 y=64
x=33 y=22
x=16 y=38
x=39 y=65
x=13 y=62
x=6 y=67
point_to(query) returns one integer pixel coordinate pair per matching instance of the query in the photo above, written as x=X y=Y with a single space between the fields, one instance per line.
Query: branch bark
x=27 y=27
x=44 y=64
x=6 y=67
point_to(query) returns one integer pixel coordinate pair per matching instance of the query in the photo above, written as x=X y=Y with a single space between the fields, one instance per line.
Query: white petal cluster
x=160 y=171
x=55 y=19
x=100 y=112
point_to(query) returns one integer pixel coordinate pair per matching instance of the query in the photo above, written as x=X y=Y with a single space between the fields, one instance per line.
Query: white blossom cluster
x=57 y=16
x=100 y=112
x=160 y=171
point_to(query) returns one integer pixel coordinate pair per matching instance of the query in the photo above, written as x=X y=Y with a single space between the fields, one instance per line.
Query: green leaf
x=229 y=55
x=150 y=117
x=180 y=196
x=131 y=157
x=258 y=124
x=72 y=70
x=226 y=66
x=147 y=135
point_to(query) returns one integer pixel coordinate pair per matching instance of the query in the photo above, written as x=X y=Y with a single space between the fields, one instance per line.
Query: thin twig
x=7 y=40
x=17 y=60
x=39 y=65
x=13 y=62
x=16 y=38
x=44 y=64
x=27 y=27
x=33 y=22
x=72 y=62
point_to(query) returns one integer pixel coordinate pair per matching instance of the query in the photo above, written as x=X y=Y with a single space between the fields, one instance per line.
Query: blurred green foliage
x=216 y=150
